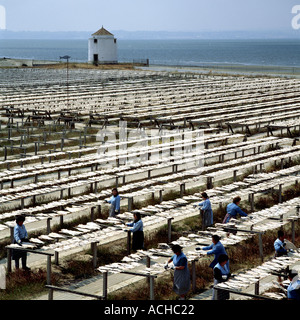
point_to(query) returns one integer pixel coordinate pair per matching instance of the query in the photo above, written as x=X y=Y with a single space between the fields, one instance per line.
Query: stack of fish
x=25 y=245
x=275 y=295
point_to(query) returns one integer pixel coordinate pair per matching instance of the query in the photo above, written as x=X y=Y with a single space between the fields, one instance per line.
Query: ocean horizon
x=273 y=52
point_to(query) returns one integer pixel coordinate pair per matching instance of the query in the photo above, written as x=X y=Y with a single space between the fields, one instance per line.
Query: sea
x=198 y=52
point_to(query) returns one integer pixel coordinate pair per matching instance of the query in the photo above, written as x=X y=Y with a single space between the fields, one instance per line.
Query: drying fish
x=289 y=245
x=45 y=237
x=163 y=246
x=184 y=239
x=253 y=276
x=101 y=220
x=277 y=284
x=25 y=245
x=103 y=269
x=37 y=241
x=56 y=235
x=136 y=264
x=273 y=295
x=192 y=235
x=154 y=257
x=223 y=285
x=70 y=232
x=82 y=230
x=127 y=259
x=243 y=279
x=142 y=253
x=237 y=284
x=135 y=256
x=181 y=201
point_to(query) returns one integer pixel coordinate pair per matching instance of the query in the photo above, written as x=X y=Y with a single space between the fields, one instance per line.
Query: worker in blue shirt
x=20 y=235
x=221 y=274
x=293 y=290
x=205 y=206
x=181 y=282
x=137 y=232
x=233 y=210
x=114 y=203
x=215 y=248
x=279 y=245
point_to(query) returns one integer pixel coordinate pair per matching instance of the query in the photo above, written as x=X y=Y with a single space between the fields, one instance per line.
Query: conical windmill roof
x=102 y=32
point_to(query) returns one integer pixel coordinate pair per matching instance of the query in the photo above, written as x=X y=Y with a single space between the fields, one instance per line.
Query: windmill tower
x=103 y=47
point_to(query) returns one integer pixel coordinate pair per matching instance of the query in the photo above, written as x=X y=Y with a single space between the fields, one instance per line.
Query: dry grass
x=272 y=199
x=140 y=290
x=119 y=66
x=266 y=202
x=22 y=284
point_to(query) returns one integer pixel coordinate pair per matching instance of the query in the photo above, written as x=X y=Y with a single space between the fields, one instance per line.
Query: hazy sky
x=148 y=15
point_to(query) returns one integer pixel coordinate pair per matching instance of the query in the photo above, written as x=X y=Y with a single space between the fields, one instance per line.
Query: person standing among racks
x=20 y=235
x=182 y=282
x=221 y=274
x=216 y=248
x=114 y=203
x=137 y=232
x=293 y=290
x=205 y=207
x=279 y=245
x=233 y=210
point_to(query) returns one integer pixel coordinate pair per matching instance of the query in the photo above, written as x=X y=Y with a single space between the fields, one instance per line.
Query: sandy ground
x=13 y=63
x=231 y=69
x=206 y=69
